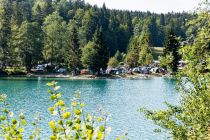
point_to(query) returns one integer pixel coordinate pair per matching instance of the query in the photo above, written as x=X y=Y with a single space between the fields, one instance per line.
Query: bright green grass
x=156 y=52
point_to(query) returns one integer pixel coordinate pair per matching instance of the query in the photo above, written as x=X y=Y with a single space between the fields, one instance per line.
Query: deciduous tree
x=5 y=28
x=54 y=29
x=29 y=40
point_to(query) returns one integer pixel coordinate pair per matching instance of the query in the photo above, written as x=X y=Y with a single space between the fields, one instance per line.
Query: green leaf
x=52 y=125
x=53 y=97
x=77 y=112
x=102 y=128
x=61 y=103
x=23 y=122
x=99 y=119
x=66 y=115
x=3 y=118
x=14 y=121
x=57 y=88
x=74 y=103
x=50 y=84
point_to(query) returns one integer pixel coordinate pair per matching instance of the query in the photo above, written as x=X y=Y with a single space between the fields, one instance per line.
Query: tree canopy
x=65 y=27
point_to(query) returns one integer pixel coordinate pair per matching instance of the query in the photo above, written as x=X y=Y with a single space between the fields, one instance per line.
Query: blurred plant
x=71 y=122
x=11 y=128
x=37 y=131
x=190 y=120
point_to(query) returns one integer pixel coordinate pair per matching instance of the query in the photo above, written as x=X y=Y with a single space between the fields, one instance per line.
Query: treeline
x=76 y=34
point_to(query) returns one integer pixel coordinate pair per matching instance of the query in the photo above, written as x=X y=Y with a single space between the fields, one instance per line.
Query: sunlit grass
x=156 y=52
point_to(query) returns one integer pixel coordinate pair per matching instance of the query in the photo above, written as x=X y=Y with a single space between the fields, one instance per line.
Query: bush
x=190 y=120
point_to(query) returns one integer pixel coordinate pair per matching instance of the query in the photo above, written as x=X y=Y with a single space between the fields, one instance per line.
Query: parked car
x=120 y=71
x=85 y=72
x=162 y=70
x=61 y=70
x=116 y=71
x=38 y=68
x=137 y=70
x=113 y=71
x=154 y=70
x=145 y=70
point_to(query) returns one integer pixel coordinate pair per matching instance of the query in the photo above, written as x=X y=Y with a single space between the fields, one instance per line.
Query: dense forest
x=75 y=34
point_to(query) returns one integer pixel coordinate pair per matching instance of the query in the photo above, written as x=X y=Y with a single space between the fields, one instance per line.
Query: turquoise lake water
x=121 y=98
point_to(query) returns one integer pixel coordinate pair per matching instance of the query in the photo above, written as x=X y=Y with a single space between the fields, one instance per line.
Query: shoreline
x=87 y=77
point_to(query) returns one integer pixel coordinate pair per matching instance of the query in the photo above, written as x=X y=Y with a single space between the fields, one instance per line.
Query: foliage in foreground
x=68 y=123
x=73 y=123
x=191 y=119
x=10 y=127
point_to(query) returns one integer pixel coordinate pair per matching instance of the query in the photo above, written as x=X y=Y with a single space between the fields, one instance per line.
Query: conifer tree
x=172 y=47
x=95 y=54
x=72 y=54
x=145 y=55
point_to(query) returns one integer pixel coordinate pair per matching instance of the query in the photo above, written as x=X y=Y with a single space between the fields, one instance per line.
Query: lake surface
x=121 y=98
